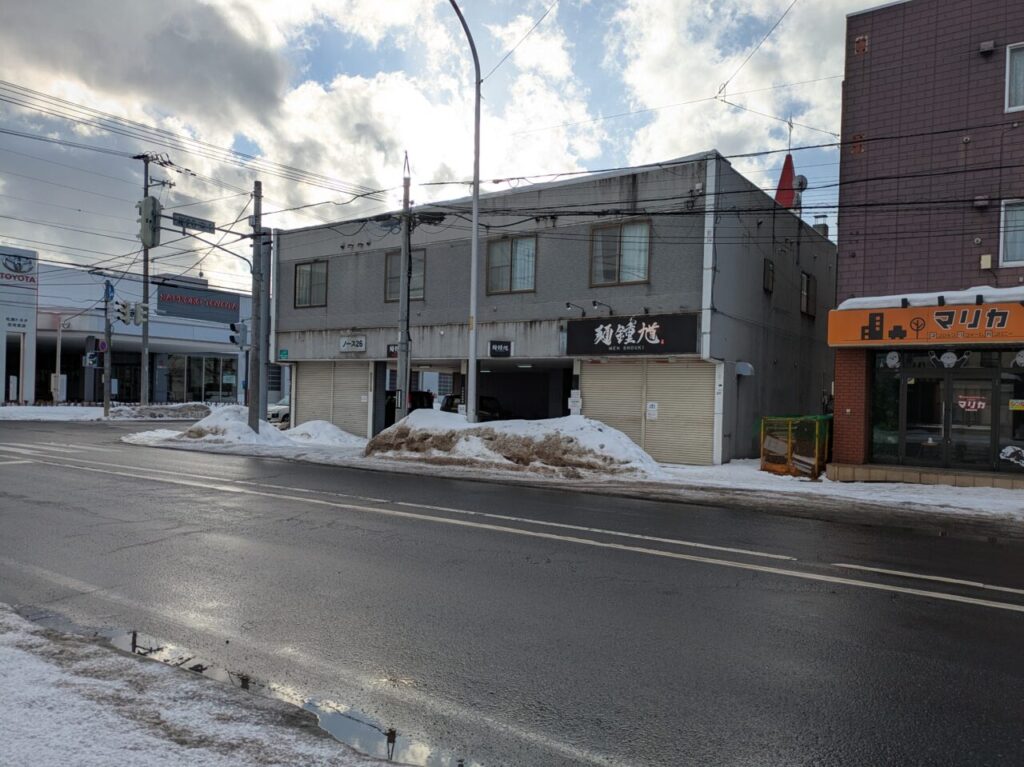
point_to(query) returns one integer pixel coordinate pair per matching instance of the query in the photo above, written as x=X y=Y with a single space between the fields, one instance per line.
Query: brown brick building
x=930 y=328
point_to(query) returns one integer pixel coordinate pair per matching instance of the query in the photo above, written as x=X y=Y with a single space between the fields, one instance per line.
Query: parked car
x=488 y=409
x=280 y=413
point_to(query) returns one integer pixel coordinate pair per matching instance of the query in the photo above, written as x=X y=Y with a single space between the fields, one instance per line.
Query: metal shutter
x=313 y=392
x=684 y=430
x=613 y=394
x=351 y=396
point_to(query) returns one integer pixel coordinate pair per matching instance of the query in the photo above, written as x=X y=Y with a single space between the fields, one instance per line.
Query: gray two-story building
x=676 y=302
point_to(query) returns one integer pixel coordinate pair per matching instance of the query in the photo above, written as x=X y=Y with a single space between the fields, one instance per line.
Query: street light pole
x=144 y=367
x=471 y=398
x=255 y=349
x=405 y=269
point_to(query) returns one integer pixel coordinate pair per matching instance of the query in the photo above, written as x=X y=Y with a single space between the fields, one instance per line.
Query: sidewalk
x=68 y=700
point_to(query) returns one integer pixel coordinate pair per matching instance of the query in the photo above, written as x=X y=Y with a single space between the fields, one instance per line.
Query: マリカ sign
x=198 y=303
x=925 y=325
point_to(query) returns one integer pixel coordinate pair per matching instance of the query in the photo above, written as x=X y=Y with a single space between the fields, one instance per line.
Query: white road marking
x=79 y=448
x=465 y=512
x=11 y=448
x=818 y=577
x=42 y=446
x=938 y=578
x=327 y=668
x=12 y=463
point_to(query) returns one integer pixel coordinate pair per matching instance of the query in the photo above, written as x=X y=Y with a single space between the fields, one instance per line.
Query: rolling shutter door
x=613 y=394
x=684 y=430
x=313 y=392
x=351 y=386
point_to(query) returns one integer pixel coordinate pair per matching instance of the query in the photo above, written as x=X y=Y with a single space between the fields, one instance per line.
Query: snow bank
x=989 y=295
x=557 y=446
x=70 y=701
x=323 y=433
x=186 y=411
x=231 y=425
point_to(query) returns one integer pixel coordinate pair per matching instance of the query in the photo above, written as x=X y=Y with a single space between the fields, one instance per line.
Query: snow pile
x=989 y=295
x=70 y=701
x=558 y=446
x=323 y=433
x=231 y=425
x=183 y=411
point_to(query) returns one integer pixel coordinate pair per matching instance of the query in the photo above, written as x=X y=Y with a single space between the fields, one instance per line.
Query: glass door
x=924 y=432
x=970 y=429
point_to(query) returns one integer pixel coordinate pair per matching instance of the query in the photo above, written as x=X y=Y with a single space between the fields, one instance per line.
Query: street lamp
x=475 y=242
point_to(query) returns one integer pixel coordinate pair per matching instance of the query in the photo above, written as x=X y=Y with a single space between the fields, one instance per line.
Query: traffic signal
x=149 y=221
x=122 y=311
x=239 y=334
x=141 y=313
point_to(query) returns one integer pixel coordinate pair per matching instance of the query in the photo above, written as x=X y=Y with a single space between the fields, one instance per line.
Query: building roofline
x=581 y=178
x=874 y=8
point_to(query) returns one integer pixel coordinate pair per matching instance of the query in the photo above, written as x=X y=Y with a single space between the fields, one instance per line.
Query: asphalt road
x=517 y=626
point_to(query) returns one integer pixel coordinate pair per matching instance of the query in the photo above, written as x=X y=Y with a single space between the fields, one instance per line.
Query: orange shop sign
x=927 y=325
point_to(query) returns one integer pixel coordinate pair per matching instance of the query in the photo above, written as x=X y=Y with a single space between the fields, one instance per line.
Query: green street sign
x=282 y=354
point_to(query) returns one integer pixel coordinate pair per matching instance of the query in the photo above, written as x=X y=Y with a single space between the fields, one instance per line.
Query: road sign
x=191 y=222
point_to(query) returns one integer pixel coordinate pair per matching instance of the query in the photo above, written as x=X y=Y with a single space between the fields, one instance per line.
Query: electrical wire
x=521 y=40
x=723 y=86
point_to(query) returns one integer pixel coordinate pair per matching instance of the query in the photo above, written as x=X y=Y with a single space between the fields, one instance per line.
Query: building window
x=619 y=254
x=311 y=284
x=768 y=276
x=808 y=294
x=1015 y=77
x=393 y=275
x=1012 y=228
x=511 y=265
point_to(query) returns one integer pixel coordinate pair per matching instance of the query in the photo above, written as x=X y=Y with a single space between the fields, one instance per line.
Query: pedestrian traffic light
x=239 y=334
x=122 y=312
x=149 y=221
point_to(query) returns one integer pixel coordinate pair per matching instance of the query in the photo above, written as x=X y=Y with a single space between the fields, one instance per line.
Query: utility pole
x=144 y=369
x=56 y=389
x=255 y=351
x=405 y=270
x=265 y=251
x=108 y=291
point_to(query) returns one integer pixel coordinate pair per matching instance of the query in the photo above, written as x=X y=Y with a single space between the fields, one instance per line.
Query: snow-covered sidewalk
x=575 y=452
x=185 y=411
x=68 y=700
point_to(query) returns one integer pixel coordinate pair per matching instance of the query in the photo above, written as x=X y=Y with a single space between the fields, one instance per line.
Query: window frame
x=808 y=294
x=511 y=256
x=1017 y=264
x=618 y=266
x=412 y=260
x=1009 y=56
x=295 y=284
x=768 y=276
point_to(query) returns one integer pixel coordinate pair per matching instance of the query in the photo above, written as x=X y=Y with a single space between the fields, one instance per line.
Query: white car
x=280 y=413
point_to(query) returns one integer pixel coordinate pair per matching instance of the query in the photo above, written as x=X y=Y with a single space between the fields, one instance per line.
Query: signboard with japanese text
x=19 y=289
x=640 y=334
x=197 y=303
x=927 y=325
x=500 y=349
x=352 y=344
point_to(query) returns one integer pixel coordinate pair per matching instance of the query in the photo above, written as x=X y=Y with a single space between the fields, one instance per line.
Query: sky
x=320 y=99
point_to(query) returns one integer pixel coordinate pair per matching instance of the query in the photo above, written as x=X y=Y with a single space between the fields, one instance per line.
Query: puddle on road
x=345 y=724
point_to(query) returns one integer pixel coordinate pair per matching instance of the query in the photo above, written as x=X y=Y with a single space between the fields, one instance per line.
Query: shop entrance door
x=948 y=420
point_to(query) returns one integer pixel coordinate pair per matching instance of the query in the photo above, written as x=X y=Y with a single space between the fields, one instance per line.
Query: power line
x=514 y=47
x=723 y=86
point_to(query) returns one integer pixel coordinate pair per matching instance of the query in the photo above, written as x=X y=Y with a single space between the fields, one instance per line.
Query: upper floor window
x=1015 y=77
x=511 y=265
x=393 y=275
x=311 y=284
x=808 y=294
x=619 y=253
x=1012 y=228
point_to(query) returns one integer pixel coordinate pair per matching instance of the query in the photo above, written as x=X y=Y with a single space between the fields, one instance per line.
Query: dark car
x=488 y=409
x=417 y=400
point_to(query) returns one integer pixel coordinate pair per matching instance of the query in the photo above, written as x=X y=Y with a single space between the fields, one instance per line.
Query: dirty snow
x=559 y=446
x=68 y=701
x=989 y=295
x=186 y=411
x=226 y=430
x=448 y=445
